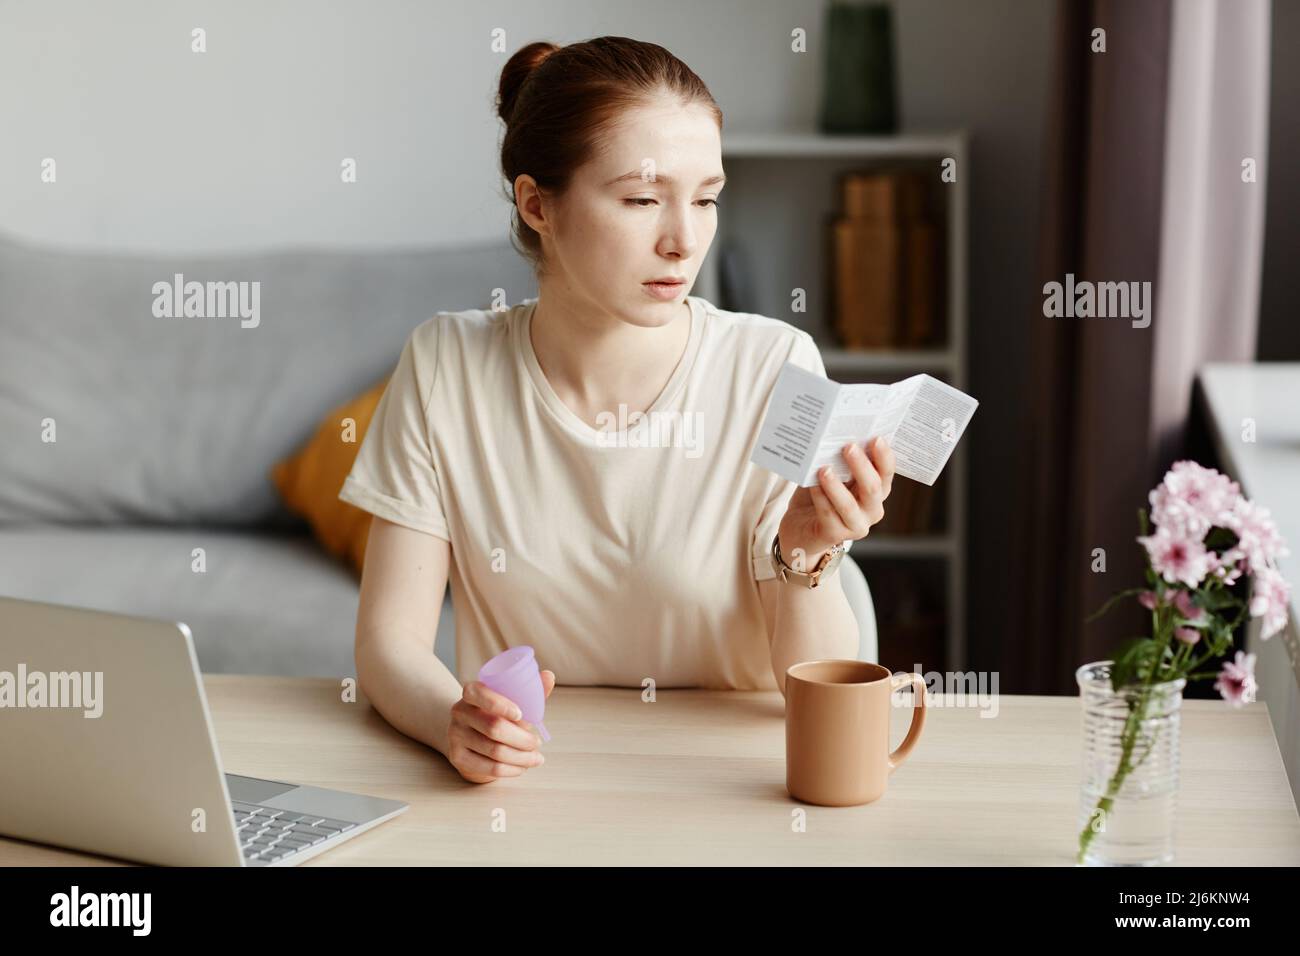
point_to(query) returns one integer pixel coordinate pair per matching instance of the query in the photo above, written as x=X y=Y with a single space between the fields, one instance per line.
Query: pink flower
x=1270 y=596
x=1188 y=635
x=1183 y=601
x=1257 y=535
x=1149 y=600
x=1177 y=558
x=1192 y=499
x=1237 y=680
x=1227 y=567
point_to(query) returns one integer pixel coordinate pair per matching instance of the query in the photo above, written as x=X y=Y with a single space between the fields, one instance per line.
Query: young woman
x=579 y=463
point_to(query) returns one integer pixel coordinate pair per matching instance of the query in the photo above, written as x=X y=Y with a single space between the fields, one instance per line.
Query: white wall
x=158 y=147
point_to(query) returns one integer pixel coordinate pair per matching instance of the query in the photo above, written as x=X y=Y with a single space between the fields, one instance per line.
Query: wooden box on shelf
x=887 y=261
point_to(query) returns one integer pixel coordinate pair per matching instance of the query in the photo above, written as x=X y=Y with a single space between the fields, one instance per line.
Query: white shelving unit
x=777 y=203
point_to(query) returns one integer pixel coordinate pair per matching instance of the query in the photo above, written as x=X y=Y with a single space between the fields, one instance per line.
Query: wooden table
x=698 y=777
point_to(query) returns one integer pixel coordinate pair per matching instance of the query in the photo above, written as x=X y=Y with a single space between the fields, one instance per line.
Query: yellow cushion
x=309 y=481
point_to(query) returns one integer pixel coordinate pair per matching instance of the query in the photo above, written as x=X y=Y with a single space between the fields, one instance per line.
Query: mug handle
x=898 y=682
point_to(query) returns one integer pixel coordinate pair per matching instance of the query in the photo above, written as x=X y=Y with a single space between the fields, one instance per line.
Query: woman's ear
x=528 y=201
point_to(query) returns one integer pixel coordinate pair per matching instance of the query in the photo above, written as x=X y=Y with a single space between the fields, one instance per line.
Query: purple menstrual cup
x=514 y=674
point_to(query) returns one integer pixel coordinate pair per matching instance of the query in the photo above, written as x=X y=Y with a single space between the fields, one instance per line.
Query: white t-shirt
x=616 y=563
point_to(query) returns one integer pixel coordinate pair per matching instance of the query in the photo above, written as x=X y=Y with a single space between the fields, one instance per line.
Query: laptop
x=106 y=746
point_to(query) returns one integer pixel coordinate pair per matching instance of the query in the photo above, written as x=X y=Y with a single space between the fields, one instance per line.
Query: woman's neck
x=595 y=361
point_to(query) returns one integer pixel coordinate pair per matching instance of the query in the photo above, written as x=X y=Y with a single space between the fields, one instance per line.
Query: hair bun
x=517 y=69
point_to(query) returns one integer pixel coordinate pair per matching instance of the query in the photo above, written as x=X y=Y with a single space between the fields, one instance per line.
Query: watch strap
x=825 y=567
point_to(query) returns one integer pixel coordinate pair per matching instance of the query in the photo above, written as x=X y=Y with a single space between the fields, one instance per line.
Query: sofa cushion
x=169 y=419
x=265 y=604
x=309 y=481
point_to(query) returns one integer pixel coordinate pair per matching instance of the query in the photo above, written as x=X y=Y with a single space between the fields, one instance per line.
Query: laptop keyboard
x=267 y=834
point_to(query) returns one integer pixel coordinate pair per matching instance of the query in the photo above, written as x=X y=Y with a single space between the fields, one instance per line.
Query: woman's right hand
x=484 y=740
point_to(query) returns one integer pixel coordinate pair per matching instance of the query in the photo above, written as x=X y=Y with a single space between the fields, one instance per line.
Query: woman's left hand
x=826 y=514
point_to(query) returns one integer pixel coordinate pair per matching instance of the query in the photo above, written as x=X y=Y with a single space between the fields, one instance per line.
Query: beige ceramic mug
x=837 y=730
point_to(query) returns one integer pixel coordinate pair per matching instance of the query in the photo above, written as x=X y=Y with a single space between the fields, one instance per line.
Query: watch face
x=826 y=567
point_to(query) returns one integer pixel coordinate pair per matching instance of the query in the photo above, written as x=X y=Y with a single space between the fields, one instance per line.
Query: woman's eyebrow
x=661 y=178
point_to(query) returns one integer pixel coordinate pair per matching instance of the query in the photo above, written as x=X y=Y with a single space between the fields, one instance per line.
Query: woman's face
x=641 y=209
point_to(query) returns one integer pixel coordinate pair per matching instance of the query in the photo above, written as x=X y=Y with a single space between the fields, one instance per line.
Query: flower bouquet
x=1204 y=537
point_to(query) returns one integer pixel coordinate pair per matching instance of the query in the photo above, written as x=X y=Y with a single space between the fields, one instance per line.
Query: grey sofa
x=164 y=430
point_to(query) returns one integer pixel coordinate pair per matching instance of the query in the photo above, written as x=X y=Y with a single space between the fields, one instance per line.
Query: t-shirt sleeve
x=805 y=354
x=393 y=475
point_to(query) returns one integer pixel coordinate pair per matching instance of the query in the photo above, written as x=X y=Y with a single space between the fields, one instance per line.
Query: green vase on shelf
x=859 y=94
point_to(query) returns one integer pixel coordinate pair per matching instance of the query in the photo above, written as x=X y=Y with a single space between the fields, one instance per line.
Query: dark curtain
x=1088 y=460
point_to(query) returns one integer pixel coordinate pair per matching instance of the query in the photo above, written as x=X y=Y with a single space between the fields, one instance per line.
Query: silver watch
x=825 y=567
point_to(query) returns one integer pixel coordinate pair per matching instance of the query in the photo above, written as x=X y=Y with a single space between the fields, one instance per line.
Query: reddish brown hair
x=557 y=101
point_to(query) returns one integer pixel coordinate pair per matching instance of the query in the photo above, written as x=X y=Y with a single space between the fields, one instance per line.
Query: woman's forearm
x=812 y=624
x=816 y=623
x=410 y=687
